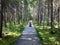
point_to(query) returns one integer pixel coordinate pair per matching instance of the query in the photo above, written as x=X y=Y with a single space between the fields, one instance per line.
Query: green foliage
x=33 y=3
x=46 y=37
x=18 y=0
x=25 y=2
x=11 y=33
x=30 y=17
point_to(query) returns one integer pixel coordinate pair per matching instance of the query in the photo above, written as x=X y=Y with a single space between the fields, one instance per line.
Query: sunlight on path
x=29 y=37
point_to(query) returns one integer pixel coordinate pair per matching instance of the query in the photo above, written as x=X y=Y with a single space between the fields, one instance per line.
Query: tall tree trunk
x=5 y=17
x=52 y=15
x=48 y=14
x=1 y=18
x=58 y=16
x=52 y=21
x=25 y=10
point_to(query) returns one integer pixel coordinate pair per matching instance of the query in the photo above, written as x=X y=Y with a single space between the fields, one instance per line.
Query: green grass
x=11 y=33
x=46 y=37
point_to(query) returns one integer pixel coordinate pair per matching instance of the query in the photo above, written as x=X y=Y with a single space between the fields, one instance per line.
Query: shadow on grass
x=8 y=40
x=47 y=37
x=10 y=34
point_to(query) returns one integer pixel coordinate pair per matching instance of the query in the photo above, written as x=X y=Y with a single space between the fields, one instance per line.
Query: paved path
x=29 y=37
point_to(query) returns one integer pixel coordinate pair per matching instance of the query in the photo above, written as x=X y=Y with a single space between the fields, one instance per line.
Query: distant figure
x=30 y=25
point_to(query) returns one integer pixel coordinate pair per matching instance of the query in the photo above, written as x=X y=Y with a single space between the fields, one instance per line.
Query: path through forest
x=28 y=37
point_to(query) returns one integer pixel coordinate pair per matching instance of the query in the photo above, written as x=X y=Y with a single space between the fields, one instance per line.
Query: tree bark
x=1 y=18
x=52 y=15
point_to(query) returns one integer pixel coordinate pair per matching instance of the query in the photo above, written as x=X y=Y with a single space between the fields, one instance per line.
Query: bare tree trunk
x=25 y=10
x=58 y=16
x=1 y=18
x=5 y=16
x=48 y=14
x=52 y=21
x=52 y=15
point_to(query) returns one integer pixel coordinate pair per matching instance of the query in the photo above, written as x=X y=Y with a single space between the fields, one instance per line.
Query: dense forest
x=15 y=14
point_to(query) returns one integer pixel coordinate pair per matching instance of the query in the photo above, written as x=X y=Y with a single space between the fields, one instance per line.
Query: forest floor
x=17 y=35
x=46 y=37
x=28 y=37
x=11 y=33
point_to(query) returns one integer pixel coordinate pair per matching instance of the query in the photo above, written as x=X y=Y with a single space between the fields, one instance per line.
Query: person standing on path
x=30 y=25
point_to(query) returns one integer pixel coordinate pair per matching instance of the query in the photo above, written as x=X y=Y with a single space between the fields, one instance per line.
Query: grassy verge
x=11 y=33
x=46 y=37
